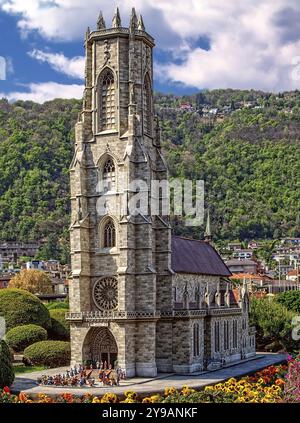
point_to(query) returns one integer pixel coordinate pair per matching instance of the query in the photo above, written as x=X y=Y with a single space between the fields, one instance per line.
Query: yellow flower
x=96 y=400
x=147 y=400
x=155 y=398
x=170 y=391
x=109 y=397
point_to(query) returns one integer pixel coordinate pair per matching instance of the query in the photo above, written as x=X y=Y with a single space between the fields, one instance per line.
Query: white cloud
x=253 y=43
x=73 y=67
x=46 y=91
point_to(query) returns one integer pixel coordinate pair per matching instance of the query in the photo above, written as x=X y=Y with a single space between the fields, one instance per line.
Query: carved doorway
x=104 y=347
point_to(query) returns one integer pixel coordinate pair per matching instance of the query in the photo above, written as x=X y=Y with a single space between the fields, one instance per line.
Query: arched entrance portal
x=100 y=345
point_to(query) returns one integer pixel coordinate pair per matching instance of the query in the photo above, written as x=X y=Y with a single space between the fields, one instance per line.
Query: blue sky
x=200 y=44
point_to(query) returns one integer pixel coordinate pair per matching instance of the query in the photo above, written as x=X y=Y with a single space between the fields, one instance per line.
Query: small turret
x=140 y=24
x=227 y=296
x=87 y=33
x=116 y=22
x=101 y=22
x=207 y=233
x=133 y=21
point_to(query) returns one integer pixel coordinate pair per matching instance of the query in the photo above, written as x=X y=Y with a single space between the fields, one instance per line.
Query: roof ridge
x=190 y=239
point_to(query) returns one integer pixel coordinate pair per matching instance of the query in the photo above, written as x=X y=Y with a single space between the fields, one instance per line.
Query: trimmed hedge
x=6 y=369
x=19 y=307
x=21 y=337
x=49 y=353
x=57 y=304
x=60 y=328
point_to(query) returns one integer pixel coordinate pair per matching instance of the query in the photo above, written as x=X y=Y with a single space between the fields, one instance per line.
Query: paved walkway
x=27 y=382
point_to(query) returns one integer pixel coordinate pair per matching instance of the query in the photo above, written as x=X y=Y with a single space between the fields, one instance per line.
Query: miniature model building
x=140 y=298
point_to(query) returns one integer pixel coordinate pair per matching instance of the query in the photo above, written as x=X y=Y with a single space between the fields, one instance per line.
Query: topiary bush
x=58 y=304
x=60 y=328
x=19 y=307
x=290 y=300
x=6 y=369
x=49 y=353
x=21 y=337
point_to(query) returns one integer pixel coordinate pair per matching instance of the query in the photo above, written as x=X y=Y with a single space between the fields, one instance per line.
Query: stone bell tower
x=121 y=277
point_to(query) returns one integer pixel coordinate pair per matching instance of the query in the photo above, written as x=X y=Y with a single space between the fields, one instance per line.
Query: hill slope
x=249 y=159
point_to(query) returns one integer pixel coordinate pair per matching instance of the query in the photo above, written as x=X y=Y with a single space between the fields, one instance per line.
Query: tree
x=34 y=281
x=6 y=369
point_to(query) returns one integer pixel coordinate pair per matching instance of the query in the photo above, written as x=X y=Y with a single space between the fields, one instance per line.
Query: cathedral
x=140 y=298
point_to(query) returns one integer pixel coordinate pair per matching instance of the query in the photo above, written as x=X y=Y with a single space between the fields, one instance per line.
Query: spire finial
x=116 y=22
x=101 y=22
x=88 y=31
x=141 y=25
x=207 y=233
x=133 y=20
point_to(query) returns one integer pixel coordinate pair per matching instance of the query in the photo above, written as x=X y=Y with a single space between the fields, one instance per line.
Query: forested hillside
x=249 y=158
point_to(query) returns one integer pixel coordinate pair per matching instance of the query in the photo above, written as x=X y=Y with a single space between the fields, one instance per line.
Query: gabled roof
x=198 y=257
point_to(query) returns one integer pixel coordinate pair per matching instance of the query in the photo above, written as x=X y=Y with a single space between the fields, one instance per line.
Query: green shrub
x=21 y=337
x=19 y=307
x=290 y=300
x=6 y=369
x=60 y=328
x=57 y=304
x=273 y=323
x=49 y=353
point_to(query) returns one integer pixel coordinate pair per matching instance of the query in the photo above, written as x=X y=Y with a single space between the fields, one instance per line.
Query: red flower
x=6 y=390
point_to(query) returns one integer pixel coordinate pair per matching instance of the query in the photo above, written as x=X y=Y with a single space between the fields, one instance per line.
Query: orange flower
x=279 y=382
x=23 y=397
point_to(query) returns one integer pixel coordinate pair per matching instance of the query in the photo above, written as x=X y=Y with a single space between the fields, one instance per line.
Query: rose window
x=105 y=294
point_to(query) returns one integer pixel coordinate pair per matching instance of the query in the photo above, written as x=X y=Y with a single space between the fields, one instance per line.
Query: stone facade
x=123 y=286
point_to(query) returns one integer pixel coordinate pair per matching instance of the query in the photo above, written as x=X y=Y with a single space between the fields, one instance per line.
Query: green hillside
x=249 y=158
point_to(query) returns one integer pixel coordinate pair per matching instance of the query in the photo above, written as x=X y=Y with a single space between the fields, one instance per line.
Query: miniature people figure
x=101 y=365
x=98 y=365
x=105 y=365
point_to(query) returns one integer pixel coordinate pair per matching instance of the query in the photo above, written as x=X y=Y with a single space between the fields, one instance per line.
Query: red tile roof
x=198 y=257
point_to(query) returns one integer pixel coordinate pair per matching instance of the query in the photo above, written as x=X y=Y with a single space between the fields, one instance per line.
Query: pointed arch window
x=107 y=105
x=109 y=234
x=147 y=106
x=109 y=175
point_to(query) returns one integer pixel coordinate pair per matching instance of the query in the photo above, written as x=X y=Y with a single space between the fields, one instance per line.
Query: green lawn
x=23 y=369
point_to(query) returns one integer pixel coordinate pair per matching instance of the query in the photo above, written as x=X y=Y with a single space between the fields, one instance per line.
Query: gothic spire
x=101 y=22
x=207 y=233
x=87 y=33
x=141 y=25
x=133 y=20
x=116 y=22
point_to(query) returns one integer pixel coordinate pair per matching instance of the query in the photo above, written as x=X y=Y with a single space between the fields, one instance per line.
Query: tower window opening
x=107 y=101
x=109 y=235
x=109 y=175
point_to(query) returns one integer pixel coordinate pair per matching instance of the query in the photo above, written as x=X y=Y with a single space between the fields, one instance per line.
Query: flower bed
x=267 y=386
